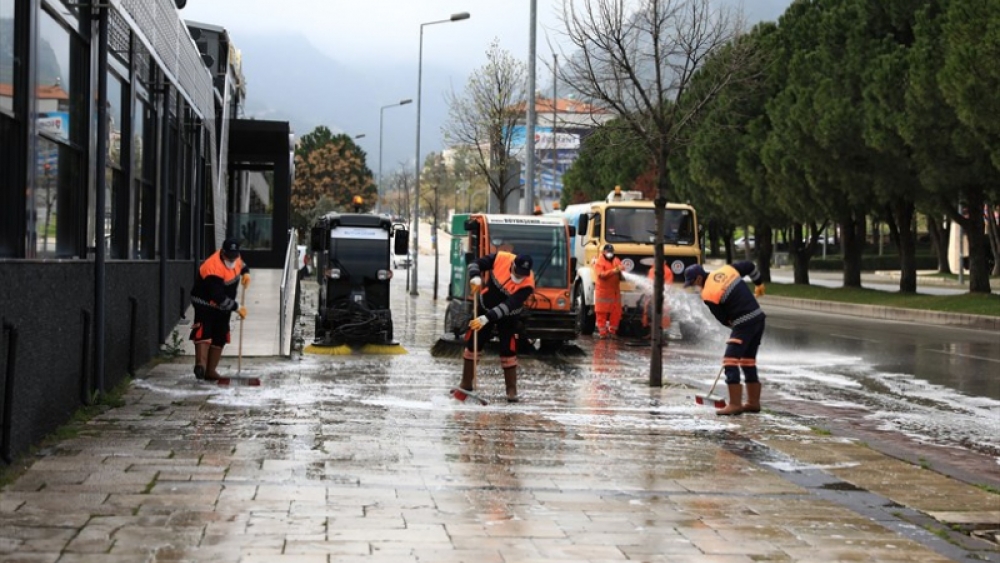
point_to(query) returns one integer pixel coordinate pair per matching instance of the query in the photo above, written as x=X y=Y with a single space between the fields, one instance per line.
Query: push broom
x=250 y=381
x=710 y=399
x=463 y=394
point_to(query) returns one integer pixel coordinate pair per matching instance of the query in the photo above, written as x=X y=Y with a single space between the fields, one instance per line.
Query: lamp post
x=416 y=187
x=381 y=113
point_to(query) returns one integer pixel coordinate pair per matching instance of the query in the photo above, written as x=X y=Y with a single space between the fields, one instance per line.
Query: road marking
x=849 y=337
x=970 y=356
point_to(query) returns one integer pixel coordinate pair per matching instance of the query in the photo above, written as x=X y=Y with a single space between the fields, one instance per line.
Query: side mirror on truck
x=317 y=237
x=401 y=244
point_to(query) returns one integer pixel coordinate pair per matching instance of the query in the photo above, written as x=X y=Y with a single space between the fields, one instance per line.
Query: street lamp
x=381 y=112
x=416 y=187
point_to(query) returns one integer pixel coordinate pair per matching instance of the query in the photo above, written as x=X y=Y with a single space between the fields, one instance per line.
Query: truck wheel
x=450 y=321
x=550 y=346
x=318 y=333
x=585 y=320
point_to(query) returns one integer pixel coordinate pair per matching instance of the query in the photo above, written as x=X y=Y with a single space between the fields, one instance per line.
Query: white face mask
x=230 y=264
x=516 y=278
x=609 y=255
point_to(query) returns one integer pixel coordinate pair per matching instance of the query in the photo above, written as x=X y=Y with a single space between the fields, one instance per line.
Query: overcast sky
x=372 y=35
x=382 y=30
x=389 y=30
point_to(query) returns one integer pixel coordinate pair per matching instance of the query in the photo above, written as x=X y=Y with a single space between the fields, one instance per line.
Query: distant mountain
x=290 y=79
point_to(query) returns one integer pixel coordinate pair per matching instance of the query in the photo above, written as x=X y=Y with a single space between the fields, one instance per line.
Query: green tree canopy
x=330 y=169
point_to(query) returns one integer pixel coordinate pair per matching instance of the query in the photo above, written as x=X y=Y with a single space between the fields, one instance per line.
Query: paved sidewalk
x=365 y=459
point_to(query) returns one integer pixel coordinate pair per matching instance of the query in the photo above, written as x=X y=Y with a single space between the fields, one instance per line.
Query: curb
x=960 y=320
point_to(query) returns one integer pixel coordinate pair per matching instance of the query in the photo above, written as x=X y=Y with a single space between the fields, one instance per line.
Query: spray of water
x=684 y=307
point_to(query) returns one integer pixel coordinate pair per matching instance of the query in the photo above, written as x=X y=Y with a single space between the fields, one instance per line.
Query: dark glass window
x=116 y=202
x=7 y=75
x=58 y=203
x=144 y=147
x=12 y=224
x=253 y=219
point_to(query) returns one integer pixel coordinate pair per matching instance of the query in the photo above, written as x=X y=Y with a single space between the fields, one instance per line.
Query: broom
x=250 y=381
x=709 y=398
x=451 y=347
x=463 y=394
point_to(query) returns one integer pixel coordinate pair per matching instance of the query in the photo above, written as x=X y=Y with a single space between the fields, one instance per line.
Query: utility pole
x=555 y=113
x=529 y=140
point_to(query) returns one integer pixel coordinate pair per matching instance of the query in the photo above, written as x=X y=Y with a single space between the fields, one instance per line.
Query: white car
x=402 y=262
x=741 y=243
x=303 y=260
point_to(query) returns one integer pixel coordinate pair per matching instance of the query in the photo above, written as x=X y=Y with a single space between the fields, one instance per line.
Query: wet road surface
x=365 y=458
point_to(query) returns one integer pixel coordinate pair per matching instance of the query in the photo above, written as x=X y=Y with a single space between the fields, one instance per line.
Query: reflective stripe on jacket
x=728 y=298
x=607 y=284
x=500 y=296
x=217 y=285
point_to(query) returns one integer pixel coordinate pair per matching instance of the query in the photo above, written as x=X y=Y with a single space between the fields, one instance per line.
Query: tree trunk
x=939 y=242
x=979 y=269
x=901 y=232
x=852 y=226
x=800 y=254
x=765 y=249
x=659 y=209
x=993 y=230
x=973 y=226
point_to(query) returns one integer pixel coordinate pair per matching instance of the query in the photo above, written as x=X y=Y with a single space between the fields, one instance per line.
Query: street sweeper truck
x=353 y=254
x=549 y=320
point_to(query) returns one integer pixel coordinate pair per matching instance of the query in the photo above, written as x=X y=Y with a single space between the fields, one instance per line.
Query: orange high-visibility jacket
x=607 y=284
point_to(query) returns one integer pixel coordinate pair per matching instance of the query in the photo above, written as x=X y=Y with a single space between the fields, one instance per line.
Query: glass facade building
x=113 y=187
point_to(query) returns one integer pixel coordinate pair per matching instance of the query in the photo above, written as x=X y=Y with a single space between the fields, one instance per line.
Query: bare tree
x=440 y=181
x=483 y=117
x=399 y=193
x=472 y=184
x=639 y=58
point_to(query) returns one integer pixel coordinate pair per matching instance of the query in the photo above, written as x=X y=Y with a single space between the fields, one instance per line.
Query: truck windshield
x=546 y=244
x=360 y=258
x=634 y=225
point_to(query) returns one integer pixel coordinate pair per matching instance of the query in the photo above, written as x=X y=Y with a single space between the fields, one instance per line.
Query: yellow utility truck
x=626 y=220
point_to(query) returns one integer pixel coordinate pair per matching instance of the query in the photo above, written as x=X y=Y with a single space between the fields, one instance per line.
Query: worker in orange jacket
x=214 y=298
x=607 y=292
x=735 y=306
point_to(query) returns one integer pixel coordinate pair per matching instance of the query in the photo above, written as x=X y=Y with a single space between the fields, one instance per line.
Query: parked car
x=304 y=260
x=741 y=243
x=402 y=262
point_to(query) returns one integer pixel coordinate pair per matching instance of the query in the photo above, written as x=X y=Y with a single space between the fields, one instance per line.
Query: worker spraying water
x=628 y=222
x=683 y=316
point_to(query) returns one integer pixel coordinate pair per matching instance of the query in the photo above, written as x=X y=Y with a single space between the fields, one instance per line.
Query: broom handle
x=475 y=339
x=712 y=390
x=239 y=352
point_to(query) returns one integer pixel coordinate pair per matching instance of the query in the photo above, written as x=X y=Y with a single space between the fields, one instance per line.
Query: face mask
x=609 y=255
x=516 y=278
x=230 y=264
